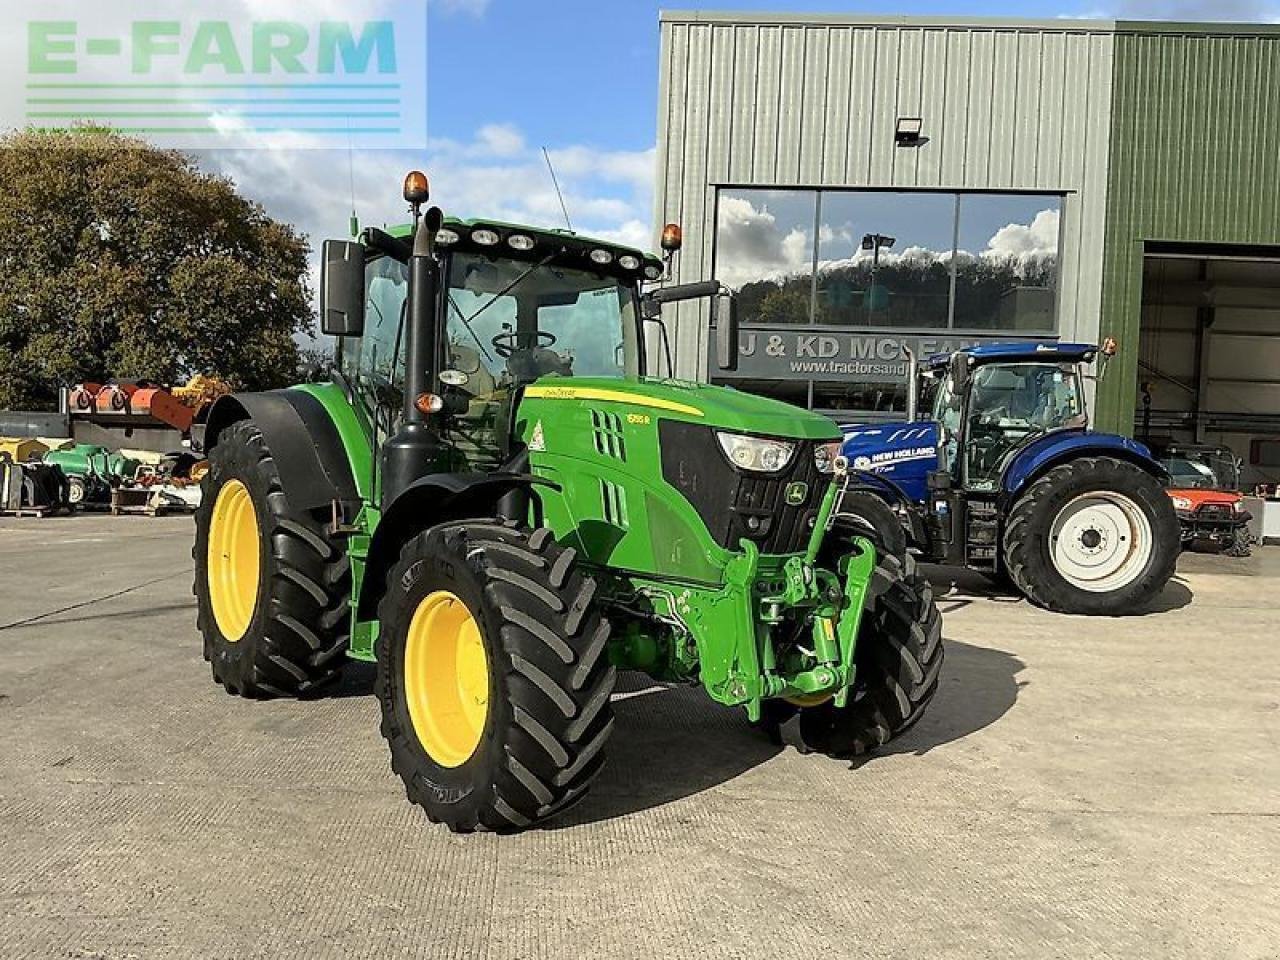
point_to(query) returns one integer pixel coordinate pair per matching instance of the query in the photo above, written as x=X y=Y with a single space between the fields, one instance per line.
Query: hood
x=721 y=407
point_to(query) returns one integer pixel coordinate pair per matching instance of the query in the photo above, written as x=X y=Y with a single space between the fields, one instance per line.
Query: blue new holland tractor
x=1004 y=476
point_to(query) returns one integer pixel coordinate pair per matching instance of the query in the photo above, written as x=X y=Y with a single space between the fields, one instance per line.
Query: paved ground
x=1081 y=788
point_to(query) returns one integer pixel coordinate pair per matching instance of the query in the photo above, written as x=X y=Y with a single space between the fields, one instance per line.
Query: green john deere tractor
x=492 y=501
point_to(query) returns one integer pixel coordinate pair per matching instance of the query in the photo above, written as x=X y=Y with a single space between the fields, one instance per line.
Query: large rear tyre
x=492 y=675
x=272 y=588
x=1094 y=536
x=898 y=660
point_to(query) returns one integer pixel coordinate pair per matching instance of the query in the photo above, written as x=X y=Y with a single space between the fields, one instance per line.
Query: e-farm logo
x=213 y=77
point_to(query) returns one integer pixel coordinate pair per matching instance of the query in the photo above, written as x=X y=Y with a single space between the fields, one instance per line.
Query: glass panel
x=374 y=363
x=764 y=252
x=1009 y=404
x=512 y=322
x=852 y=395
x=1007 y=264
x=884 y=259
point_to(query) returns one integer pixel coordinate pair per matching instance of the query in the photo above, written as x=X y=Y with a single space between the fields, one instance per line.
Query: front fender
x=434 y=499
x=308 y=450
x=1053 y=449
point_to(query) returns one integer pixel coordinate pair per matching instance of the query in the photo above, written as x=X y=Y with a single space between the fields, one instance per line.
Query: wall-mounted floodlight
x=878 y=242
x=909 y=132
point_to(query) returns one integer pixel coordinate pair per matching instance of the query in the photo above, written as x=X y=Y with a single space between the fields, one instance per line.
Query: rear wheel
x=272 y=588
x=1093 y=536
x=898 y=660
x=492 y=675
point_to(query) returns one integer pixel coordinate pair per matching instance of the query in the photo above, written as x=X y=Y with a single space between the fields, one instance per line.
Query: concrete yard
x=1080 y=788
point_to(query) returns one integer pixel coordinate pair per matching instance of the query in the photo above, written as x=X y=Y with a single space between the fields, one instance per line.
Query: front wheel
x=897 y=662
x=492 y=675
x=1094 y=536
x=1240 y=543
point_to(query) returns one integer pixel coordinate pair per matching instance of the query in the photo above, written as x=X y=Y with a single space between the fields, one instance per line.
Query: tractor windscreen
x=1012 y=403
x=512 y=321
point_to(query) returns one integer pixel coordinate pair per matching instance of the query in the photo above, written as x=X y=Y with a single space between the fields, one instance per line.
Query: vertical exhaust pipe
x=913 y=386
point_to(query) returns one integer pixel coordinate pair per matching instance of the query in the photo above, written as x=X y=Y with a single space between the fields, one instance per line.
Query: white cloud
x=495 y=174
x=1020 y=241
x=500 y=139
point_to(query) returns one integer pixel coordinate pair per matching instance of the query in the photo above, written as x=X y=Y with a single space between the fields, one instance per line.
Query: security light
x=878 y=241
x=908 y=132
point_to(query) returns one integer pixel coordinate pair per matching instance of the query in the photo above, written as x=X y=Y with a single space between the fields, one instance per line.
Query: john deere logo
x=796 y=493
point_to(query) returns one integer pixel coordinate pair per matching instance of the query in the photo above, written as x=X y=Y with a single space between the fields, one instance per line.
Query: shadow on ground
x=955 y=587
x=673 y=742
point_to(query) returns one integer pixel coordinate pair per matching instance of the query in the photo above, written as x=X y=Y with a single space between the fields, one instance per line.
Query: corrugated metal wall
x=813 y=101
x=1196 y=158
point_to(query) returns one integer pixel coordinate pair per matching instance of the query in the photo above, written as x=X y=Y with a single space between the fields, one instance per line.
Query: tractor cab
x=990 y=402
x=511 y=305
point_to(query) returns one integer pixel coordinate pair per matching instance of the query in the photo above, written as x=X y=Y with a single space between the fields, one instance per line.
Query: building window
x=1007 y=262
x=891 y=259
x=765 y=252
x=884 y=259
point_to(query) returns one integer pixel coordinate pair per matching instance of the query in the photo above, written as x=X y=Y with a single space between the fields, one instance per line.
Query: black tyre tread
x=556 y=675
x=898 y=659
x=1241 y=543
x=294 y=648
x=1025 y=548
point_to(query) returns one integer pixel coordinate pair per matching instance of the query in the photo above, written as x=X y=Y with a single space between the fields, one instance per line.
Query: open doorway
x=1209 y=353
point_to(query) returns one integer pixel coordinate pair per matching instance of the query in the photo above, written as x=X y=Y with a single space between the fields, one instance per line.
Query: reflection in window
x=865 y=397
x=1007 y=263
x=765 y=251
x=884 y=259
x=912 y=259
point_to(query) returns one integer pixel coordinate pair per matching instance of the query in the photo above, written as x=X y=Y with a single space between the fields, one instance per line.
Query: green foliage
x=123 y=260
x=912 y=292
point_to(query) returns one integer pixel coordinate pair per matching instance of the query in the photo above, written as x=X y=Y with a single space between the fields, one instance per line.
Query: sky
x=580 y=77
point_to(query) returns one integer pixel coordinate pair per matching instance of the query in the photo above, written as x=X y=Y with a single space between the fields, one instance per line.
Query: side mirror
x=342 y=289
x=724 y=310
x=959 y=369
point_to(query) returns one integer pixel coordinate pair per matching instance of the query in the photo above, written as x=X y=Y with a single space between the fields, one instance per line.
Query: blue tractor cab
x=1002 y=474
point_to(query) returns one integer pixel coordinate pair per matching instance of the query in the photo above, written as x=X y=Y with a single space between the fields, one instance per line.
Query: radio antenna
x=556 y=183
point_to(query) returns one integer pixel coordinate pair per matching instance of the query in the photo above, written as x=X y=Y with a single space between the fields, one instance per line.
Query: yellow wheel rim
x=234 y=560
x=446 y=678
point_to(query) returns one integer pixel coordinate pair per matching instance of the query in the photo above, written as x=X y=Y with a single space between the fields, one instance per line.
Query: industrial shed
x=868 y=184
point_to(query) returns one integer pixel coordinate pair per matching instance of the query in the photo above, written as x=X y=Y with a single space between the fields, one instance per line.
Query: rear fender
x=304 y=442
x=433 y=500
x=1054 y=449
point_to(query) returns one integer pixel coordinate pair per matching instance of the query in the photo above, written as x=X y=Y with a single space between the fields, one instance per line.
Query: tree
x=121 y=260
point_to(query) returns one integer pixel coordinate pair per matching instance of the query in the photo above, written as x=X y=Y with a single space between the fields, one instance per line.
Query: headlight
x=754 y=453
x=520 y=241
x=485 y=238
x=824 y=456
x=629 y=262
x=653 y=272
x=1181 y=503
x=602 y=257
x=1238 y=506
x=446 y=237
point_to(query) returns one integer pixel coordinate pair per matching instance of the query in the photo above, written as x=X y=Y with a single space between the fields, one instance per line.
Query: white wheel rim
x=1100 y=541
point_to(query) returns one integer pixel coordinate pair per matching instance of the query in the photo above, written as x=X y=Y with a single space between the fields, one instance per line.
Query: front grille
x=729 y=499
x=1214 y=511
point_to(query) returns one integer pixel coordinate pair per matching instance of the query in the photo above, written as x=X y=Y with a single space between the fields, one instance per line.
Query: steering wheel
x=506 y=344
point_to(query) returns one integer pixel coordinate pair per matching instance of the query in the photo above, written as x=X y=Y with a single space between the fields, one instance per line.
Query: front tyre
x=272 y=588
x=1094 y=536
x=898 y=660
x=492 y=675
